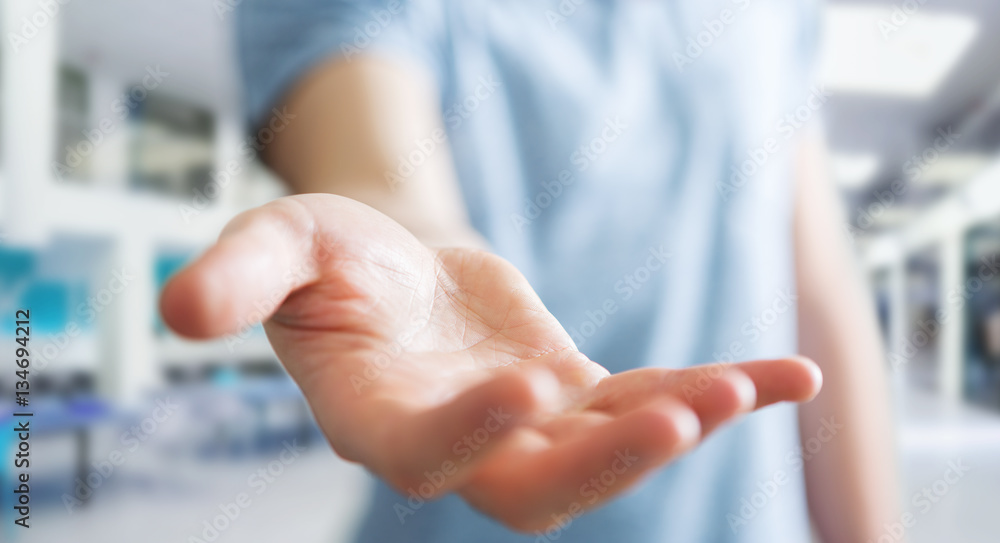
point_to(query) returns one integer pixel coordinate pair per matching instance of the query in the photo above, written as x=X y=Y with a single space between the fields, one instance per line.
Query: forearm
x=353 y=125
x=851 y=480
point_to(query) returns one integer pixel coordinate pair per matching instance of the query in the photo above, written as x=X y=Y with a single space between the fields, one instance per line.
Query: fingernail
x=688 y=426
x=746 y=391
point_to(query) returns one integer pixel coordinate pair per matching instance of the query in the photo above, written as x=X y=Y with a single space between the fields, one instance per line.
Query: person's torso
x=634 y=159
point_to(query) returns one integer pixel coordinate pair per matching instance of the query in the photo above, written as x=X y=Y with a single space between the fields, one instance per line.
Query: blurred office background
x=119 y=128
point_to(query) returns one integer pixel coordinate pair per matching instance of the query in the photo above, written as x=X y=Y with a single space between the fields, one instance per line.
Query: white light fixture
x=982 y=195
x=954 y=168
x=887 y=51
x=896 y=216
x=853 y=170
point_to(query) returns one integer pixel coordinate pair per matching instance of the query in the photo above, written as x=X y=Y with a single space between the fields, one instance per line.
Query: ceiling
x=897 y=127
x=188 y=39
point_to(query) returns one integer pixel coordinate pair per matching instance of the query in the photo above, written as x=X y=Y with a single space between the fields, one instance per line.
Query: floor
x=935 y=435
x=315 y=499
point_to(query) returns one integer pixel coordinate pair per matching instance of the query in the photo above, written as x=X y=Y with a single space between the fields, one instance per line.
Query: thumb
x=261 y=257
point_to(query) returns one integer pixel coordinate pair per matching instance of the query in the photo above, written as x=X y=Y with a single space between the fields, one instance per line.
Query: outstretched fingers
x=534 y=487
x=716 y=392
x=431 y=451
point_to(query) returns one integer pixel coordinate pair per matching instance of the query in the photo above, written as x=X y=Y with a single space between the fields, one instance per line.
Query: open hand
x=441 y=370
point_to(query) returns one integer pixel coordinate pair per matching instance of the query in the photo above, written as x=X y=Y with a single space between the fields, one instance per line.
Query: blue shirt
x=633 y=158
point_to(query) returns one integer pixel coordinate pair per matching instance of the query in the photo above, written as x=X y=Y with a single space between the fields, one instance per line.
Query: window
x=173 y=146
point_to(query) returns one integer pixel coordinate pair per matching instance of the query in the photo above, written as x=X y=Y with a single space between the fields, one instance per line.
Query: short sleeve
x=280 y=41
x=807 y=61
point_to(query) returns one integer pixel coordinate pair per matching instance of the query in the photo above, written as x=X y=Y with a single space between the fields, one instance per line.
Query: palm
x=441 y=370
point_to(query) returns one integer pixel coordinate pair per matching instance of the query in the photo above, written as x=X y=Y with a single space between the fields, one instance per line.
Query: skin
x=852 y=483
x=405 y=350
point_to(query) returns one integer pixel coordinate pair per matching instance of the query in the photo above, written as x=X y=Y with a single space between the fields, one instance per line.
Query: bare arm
x=354 y=121
x=851 y=483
